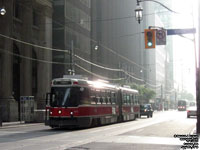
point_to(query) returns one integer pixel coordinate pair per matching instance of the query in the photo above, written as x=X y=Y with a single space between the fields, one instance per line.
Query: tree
x=145 y=94
x=186 y=95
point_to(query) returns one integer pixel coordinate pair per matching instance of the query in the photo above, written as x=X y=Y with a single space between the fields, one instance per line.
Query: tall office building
x=161 y=69
x=166 y=18
x=71 y=33
x=117 y=34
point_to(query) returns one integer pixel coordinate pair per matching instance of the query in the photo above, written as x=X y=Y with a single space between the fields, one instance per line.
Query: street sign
x=161 y=37
x=180 y=31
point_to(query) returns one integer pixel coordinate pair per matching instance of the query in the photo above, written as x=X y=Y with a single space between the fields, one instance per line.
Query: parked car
x=146 y=110
x=191 y=111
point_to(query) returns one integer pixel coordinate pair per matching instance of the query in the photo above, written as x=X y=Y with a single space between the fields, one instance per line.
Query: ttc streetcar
x=182 y=105
x=83 y=103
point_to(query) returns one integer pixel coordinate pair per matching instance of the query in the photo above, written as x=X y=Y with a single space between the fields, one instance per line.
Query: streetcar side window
x=113 y=98
x=107 y=98
x=124 y=98
x=102 y=99
x=131 y=99
x=136 y=99
x=84 y=96
x=98 y=96
x=128 y=99
x=93 y=96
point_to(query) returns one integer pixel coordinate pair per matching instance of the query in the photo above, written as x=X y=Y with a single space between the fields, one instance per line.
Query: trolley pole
x=72 y=67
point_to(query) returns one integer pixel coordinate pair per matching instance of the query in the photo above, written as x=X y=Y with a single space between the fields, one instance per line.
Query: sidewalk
x=16 y=124
x=194 y=131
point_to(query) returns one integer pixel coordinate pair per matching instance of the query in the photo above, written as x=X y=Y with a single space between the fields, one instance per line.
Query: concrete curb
x=193 y=131
x=17 y=124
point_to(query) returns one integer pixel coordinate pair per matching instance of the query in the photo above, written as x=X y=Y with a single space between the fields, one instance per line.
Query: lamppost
x=138 y=13
x=139 y=9
x=2 y=11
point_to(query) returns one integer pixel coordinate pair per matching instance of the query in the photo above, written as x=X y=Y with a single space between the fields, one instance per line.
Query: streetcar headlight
x=71 y=113
x=50 y=112
x=59 y=111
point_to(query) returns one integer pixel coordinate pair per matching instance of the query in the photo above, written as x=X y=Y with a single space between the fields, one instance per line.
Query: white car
x=191 y=111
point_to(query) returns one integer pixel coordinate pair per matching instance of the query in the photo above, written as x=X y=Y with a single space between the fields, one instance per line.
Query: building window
x=34 y=73
x=16 y=9
x=16 y=73
x=35 y=18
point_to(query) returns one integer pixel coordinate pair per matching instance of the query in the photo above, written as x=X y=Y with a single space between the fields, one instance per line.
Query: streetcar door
x=48 y=98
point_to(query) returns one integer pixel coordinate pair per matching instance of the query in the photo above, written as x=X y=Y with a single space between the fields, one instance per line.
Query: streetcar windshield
x=182 y=103
x=68 y=96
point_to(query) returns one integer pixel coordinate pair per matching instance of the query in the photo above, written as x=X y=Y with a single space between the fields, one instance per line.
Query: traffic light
x=150 y=40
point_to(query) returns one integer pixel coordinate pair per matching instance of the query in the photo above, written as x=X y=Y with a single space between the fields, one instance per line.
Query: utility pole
x=161 y=96
x=198 y=100
x=175 y=100
x=198 y=90
x=72 y=67
x=198 y=84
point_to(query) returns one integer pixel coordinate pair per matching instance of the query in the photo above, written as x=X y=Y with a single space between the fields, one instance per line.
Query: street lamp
x=96 y=47
x=139 y=9
x=2 y=11
x=138 y=13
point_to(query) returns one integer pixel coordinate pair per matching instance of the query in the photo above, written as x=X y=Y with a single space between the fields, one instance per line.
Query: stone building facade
x=25 y=68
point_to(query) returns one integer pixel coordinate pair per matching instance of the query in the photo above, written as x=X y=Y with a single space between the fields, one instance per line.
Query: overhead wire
x=53 y=62
x=102 y=77
x=111 y=69
x=95 y=41
x=42 y=47
x=33 y=59
x=67 y=51
x=35 y=45
x=109 y=19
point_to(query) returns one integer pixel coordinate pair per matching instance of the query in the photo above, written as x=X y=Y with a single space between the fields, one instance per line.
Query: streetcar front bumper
x=69 y=122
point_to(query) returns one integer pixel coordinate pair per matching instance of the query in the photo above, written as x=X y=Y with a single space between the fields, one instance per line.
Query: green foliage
x=186 y=95
x=145 y=94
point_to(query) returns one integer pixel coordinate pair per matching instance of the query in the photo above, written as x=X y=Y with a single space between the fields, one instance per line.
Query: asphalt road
x=143 y=133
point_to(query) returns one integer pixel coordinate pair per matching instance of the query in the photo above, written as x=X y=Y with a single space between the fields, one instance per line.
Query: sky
x=184 y=48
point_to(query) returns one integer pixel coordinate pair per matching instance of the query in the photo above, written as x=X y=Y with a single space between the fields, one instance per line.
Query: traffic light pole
x=198 y=87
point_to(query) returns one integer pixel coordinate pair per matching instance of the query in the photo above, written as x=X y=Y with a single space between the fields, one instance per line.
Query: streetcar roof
x=73 y=81
x=82 y=82
x=129 y=89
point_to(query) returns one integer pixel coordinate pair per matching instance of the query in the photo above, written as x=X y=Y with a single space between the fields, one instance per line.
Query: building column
x=8 y=105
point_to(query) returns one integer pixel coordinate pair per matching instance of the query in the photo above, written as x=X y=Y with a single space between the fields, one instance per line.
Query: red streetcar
x=83 y=103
